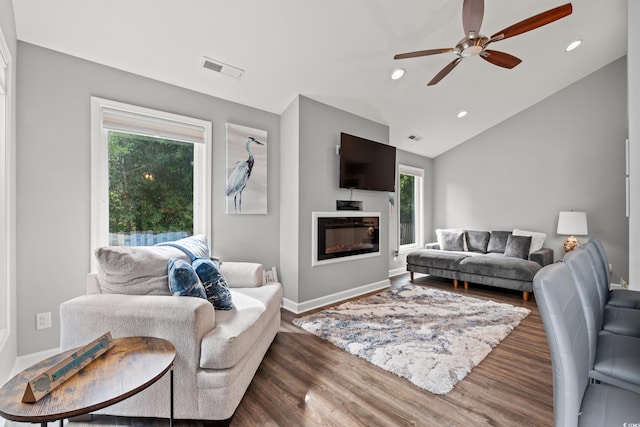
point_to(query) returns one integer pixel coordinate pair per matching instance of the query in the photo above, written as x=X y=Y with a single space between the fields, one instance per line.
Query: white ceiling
x=339 y=52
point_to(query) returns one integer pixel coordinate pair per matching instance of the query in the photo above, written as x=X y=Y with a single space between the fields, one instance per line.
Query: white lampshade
x=572 y=223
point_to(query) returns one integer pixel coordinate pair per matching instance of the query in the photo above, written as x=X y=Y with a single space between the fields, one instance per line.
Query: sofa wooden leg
x=411 y=275
x=525 y=295
x=466 y=285
x=455 y=283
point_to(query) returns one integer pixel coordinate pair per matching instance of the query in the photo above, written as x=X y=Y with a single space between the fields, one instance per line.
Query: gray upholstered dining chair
x=612 y=357
x=576 y=400
x=615 y=297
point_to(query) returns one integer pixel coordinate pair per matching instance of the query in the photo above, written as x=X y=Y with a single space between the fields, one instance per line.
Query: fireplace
x=343 y=236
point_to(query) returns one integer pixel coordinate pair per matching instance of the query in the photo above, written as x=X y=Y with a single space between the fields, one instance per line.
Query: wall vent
x=222 y=68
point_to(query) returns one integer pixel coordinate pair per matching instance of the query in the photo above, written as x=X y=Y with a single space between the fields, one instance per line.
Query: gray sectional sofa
x=504 y=259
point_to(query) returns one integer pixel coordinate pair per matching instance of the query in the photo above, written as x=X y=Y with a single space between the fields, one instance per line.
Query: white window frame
x=419 y=206
x=6 y=92
x=100 y=167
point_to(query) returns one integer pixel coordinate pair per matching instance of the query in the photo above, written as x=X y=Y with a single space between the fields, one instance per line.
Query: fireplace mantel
x=344 y=236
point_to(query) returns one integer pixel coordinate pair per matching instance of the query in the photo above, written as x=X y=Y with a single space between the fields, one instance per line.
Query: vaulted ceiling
x=340 y=53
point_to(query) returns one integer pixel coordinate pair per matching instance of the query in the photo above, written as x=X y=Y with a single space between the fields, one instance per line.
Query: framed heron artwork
x=246 y=187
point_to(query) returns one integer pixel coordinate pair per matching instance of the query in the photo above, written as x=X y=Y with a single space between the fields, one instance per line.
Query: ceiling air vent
x=222 y=68
x=414 y=138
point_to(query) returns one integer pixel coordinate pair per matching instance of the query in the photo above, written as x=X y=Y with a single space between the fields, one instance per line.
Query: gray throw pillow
x=452 y=240
x=498 y=241
x=518 y=246
x=477 y=241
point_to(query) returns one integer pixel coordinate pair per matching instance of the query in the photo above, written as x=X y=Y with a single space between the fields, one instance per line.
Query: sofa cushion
x=477 y=241
x=537 y=239
x=497 y=265
x=498 y=241
x=439 y=232
x=214 y=283
x=436 y=259
x=183 y=280
x=518 y=246
x=452 y=240
x=238 y=329
x=142 y=270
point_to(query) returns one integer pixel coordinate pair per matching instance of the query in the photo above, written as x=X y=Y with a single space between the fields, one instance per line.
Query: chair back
x=579 y=266
x=603 y=256
x=600 y=273
x=563 y=319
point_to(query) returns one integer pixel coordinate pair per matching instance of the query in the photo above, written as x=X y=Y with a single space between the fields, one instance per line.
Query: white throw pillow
x=439 y=237
x=537 y=239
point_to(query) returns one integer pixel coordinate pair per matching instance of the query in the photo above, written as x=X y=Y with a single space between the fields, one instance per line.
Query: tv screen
x=366 y=165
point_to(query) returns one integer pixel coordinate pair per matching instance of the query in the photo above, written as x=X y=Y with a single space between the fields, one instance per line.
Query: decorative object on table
x=246 y=189
x=42 y=385
x=270 y=276
x=572 y=224
x=432 y=338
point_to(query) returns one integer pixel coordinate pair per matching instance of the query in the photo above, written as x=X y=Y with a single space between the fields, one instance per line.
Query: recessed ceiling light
x=462 y=113
x=397 y=74
x=573 y=45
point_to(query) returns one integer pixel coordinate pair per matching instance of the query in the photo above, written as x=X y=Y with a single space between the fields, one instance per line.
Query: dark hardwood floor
x=305 y=381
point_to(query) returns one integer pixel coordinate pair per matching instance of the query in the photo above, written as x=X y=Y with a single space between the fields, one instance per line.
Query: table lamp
x=572 y=224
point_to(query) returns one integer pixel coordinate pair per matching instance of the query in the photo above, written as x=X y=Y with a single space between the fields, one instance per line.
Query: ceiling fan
x=475 y=43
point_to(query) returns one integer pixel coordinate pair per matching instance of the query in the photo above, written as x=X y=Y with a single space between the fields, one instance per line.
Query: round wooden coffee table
x=130 y=366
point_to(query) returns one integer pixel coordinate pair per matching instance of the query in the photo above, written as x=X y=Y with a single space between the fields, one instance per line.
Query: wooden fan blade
x=472 y=14
x=446 y=70
x=422 y=53
x=534 y=22
x=500 y=59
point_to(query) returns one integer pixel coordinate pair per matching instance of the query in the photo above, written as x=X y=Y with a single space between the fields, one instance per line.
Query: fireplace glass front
x=347 y=236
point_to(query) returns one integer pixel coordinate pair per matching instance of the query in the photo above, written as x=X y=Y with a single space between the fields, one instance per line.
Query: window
x=151 y=175
x=5 y=187
x=411 y=208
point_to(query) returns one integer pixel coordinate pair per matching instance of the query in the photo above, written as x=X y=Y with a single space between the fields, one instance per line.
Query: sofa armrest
x=181 y=320
x=243 y=274
x=433 y=245
x=542 y=256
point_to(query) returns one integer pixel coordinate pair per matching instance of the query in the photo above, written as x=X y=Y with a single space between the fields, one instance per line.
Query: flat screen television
x=366 y=165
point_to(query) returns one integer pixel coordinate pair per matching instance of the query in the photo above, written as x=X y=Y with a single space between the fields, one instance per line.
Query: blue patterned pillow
x=214 y=282
x=183 y=280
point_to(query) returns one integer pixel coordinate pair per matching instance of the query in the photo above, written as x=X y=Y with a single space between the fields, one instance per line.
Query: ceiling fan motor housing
x=471 y=46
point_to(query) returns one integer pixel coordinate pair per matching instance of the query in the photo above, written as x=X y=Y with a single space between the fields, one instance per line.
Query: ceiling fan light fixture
x=471 y=51
x=397 y=74
x=462 y=113
x=574 y=44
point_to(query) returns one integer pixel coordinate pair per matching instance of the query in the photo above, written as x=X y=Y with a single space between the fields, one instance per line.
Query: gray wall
x=566 y=152
x=8 y=351
x=633 y=58
x=290 y=198
x=53 y=167
x=311 y=131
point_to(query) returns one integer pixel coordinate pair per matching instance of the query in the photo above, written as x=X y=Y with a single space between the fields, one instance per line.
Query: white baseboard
x=302 y=307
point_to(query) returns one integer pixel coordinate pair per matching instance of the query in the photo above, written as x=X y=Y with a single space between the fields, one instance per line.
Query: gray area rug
x=432 y=338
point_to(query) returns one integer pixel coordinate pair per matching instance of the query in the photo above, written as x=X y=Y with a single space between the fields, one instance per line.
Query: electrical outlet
x=43 y=320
